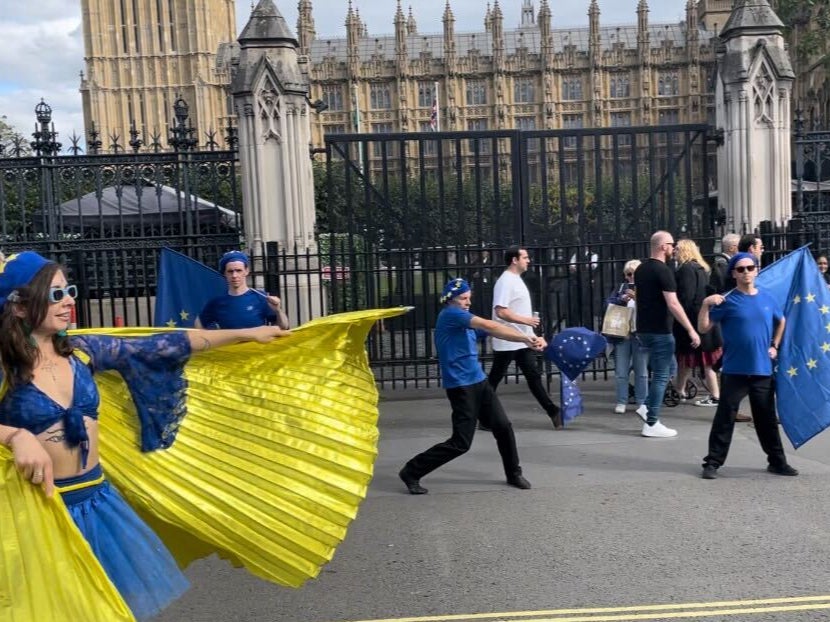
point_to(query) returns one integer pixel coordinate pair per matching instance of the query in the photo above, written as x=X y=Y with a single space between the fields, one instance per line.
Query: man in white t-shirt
x=512 y=307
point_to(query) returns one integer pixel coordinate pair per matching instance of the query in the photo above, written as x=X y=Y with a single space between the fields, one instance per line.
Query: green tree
x=12 y=142
x=807 y=23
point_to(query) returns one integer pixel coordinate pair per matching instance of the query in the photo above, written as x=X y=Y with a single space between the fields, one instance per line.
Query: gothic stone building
x=534 y=76
x=141 y=55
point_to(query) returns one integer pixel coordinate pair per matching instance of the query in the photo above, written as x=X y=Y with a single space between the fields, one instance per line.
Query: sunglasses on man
x=56 y=294
x=742 y=269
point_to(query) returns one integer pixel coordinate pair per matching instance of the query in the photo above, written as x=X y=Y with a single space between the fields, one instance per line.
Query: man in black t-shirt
x=656 y=304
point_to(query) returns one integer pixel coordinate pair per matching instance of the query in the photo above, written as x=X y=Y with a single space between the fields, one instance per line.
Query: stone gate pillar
x=270 y=91
x=752 y=102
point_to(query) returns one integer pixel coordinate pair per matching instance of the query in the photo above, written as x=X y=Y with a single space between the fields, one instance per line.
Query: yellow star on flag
x=825 y=347
x=811 y=297
x=184 y=315
x=171 y=323
x=797 y=300
x=812 y=363
x=828 y=327
x=792 y=371
x=824 y=309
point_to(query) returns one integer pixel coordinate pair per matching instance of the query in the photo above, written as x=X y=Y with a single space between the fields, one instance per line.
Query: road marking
x=641 y=612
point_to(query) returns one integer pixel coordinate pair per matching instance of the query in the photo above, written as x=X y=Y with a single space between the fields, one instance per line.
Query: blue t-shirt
x=747 y=323
x=457 y=348
x=247 y=310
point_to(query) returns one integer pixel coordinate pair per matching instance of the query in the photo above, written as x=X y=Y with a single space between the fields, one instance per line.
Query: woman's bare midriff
x=66 y=461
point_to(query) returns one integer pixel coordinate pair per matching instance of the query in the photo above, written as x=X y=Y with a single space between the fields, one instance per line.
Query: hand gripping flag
x=802 y=374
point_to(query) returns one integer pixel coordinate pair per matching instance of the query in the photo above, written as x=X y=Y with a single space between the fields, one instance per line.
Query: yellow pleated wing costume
x=268 y=469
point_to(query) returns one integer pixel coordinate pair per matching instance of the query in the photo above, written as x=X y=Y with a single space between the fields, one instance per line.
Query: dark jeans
x=733 y=389
x=660 y=348
x=526 y=361
x=469 y=404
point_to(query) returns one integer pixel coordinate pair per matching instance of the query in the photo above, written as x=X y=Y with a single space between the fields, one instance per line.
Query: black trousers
x=526 y=362
x=469 y=404
x=761 y=393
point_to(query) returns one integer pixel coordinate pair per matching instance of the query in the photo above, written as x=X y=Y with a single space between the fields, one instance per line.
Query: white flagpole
x=356 y=122
x=437 y=108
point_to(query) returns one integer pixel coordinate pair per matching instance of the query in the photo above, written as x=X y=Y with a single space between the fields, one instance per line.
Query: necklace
x=50 y=366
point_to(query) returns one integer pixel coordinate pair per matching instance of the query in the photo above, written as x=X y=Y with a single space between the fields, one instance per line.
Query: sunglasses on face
x=56 y=294
x=742 y=269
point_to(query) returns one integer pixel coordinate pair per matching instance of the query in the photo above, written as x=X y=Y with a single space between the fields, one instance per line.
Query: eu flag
x=570 y=398
x=802 y=375
x=184 y=287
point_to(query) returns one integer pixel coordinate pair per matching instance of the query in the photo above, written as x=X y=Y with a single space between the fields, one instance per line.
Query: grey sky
x=41 y=47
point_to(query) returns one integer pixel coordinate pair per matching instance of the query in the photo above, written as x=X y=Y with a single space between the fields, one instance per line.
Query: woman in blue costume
x=49 y=417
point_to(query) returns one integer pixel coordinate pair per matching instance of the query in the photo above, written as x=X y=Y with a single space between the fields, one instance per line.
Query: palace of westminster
x=141 y=55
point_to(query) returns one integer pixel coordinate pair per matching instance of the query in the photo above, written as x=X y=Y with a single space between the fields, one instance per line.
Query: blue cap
x=18 y=271
x=454 y=288
x=573 y=349
x=232 y=256
x=737 y=257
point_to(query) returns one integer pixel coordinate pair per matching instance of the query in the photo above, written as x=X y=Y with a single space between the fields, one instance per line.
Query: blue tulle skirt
x=138 y=564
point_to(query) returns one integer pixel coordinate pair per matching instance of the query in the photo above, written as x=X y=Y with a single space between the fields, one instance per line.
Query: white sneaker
x=658 y=430
x=642 y=412
x=619 y=409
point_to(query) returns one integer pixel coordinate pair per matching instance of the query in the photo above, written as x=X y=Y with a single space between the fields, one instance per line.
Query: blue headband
x=737 y=257
x=454 y=288
x=18 y=271
x=232 y=256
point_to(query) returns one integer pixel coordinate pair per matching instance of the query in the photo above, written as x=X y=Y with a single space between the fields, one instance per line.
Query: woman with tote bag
x=628 y=354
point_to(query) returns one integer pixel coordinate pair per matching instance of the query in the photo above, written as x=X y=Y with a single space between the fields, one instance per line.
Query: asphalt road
x=616 y=527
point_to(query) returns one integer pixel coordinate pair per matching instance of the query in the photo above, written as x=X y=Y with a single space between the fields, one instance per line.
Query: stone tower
x=141 y=56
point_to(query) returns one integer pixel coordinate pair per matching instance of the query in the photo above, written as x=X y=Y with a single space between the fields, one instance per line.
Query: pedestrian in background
x=628 y=353
x=692 y=286
x=512 y=307
x=656 y=304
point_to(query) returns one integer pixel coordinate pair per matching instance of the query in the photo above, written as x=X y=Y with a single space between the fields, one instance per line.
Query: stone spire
x=305 y=26
x=545 y=34
x=449 y=40
x=353 y=34
x=400 y=39
x=411 y=25
x=528 y=18
x=751 y=17
x=267 y=24
x=593 y=32
x=643 y=43
x=692 y=26
x=497 y=31
x=488 y=19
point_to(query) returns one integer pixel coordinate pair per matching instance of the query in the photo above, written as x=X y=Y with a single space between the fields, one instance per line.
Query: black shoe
x=555 y=415
x=518 y=481
x=483 y=427
x=782 y=469
x=710 y=471
x=412 y=484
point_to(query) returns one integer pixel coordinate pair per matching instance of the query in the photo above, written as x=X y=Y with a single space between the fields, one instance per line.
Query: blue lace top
x=153 y=369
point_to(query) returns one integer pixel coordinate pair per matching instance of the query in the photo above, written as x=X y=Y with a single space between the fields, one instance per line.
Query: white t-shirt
x=511 y=293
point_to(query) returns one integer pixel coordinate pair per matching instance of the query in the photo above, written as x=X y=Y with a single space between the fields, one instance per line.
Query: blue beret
x=573 y=349
x=18 y=271
x=232 y=256
x=737 y=257
x=454 y=288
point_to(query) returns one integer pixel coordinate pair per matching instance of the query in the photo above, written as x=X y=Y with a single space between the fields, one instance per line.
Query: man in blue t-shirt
x=752 y=324
x=241 y=307
x=471 y=396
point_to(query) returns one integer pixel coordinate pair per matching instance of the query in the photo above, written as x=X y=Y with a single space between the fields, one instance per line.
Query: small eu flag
x=184 y=287
x=570 y=398
x=802 y=375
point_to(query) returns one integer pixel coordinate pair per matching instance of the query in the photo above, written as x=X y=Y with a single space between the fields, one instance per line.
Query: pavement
x=616 y=527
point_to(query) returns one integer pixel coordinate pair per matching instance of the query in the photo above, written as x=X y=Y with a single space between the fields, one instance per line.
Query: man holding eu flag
x=752 y=324
x=241 y=306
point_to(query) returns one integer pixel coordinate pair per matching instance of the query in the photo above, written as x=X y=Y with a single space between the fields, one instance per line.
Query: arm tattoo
x=205 y=344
